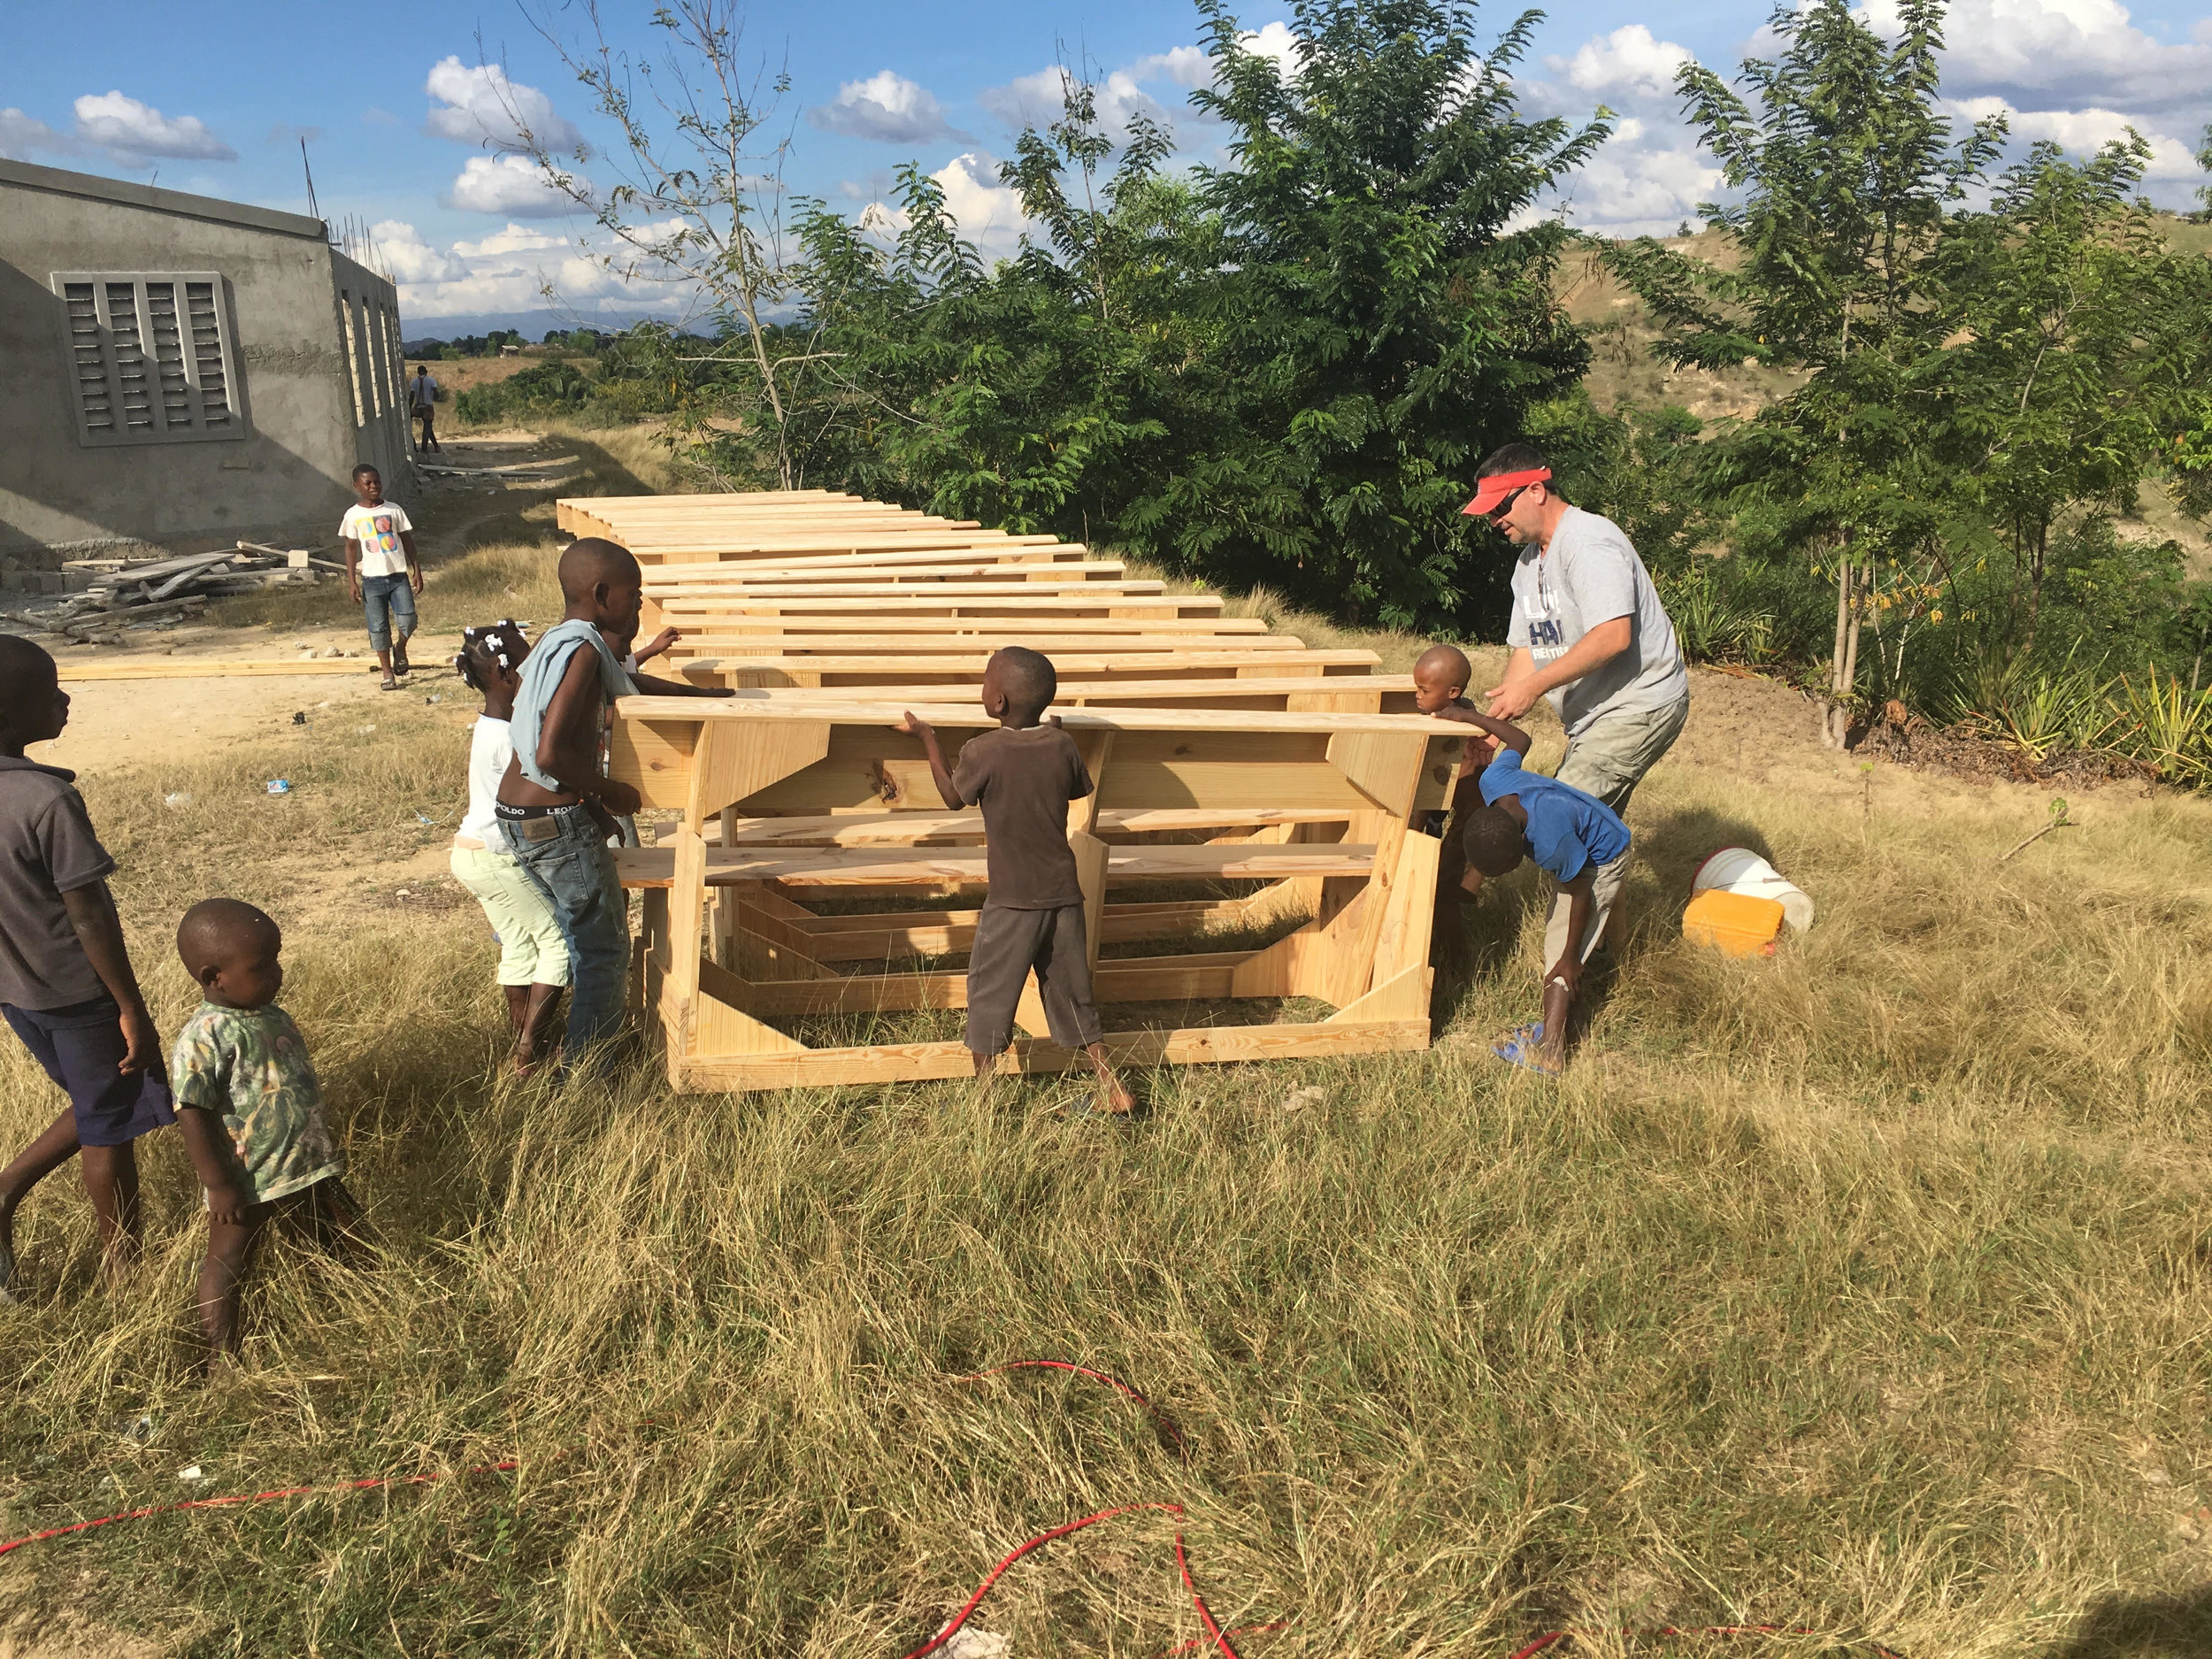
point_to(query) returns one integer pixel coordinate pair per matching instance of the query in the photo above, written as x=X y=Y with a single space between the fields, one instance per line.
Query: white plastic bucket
x=1739 y=870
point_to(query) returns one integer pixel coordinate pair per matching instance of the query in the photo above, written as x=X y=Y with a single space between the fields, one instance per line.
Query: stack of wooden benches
x=1258 y=802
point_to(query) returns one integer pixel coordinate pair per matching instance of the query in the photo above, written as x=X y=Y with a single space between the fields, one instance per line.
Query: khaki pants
x=1608 y=759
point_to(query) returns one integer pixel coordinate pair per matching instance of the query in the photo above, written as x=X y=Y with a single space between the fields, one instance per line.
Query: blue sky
x=403 y=115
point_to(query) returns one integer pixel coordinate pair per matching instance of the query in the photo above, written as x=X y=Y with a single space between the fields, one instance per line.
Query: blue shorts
x=81 y=1046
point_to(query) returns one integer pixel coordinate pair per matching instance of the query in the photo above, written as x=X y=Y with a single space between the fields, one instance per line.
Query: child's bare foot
x=7 y=1264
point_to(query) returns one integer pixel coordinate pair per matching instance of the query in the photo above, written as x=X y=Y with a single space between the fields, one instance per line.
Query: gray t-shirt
x=47 y=849
x=1590 y=574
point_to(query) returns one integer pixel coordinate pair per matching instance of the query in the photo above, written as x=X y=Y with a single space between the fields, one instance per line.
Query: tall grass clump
x=1861 y=1288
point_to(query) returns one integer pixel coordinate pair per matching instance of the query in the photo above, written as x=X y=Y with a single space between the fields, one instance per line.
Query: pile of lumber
x=126 y=593
x=1247 y=785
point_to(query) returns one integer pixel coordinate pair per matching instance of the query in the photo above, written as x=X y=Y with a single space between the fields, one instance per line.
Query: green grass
x=1865 y=1289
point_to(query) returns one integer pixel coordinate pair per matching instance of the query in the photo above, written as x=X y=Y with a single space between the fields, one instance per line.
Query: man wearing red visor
x=1588 y=633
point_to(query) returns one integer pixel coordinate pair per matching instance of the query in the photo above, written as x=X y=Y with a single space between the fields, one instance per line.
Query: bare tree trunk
x=1836 y=720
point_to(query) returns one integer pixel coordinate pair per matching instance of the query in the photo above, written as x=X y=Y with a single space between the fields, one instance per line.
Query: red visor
x=1493 y=490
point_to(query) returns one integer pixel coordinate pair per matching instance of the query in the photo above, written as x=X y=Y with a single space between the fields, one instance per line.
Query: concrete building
x=183 y=373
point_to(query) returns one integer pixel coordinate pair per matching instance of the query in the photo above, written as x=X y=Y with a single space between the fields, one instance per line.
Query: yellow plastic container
x=1732 y=924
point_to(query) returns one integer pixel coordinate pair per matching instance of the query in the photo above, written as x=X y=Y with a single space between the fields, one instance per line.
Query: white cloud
x=988 y=213
x=889 y=108
x=1650 y=174
x=1187 y=66
x=20 y=135
x=1036 y=100
x=130 y=131
x=478 y=104
x=1628 y=63
x=1273 y=40
x=506 y=184
x=2085 y=131
x=507 y=270
x=2074 y=52
x=412 y=259
x=511 y=238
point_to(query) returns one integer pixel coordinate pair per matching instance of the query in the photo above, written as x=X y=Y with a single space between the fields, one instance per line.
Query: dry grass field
x=1866 y=1288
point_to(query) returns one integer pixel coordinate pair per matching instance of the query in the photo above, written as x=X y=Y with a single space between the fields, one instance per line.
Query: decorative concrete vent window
x=151 y=357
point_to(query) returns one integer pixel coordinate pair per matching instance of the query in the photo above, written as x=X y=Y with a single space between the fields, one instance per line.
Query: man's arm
x=353 y=566
x=92 y=913
x=414 y=564
x=1524 y=682
x=568 y=744
x=916 y=726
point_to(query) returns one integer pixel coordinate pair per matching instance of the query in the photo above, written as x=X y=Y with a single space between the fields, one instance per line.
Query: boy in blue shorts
x=66 y=986
x=1575 y=837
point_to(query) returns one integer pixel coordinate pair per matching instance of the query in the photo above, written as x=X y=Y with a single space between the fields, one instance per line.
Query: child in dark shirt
x=66 y=986
x=1575 y=837
x=1024 y=775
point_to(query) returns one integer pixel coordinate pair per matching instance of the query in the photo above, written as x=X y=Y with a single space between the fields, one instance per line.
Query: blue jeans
x=388 y=599
x=567 y=855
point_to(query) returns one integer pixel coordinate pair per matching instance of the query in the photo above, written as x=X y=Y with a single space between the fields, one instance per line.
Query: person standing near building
x=382 y=570
x=422 y=400
x=1588 y=633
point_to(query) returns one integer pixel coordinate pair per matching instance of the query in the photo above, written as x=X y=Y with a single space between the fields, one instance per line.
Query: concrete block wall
x=285 y=480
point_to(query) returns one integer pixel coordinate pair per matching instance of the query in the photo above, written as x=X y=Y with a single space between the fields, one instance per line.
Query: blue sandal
x=1524 y=1047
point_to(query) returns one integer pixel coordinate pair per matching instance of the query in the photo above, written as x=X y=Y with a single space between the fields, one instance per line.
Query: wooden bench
x=1335 y=694
x=755 y=668
x=728 y=948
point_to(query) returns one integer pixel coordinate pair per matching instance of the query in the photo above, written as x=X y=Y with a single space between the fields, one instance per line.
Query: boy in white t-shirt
x=382 y=571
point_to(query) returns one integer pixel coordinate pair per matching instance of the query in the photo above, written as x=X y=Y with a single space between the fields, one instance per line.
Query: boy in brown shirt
x=1024 y=775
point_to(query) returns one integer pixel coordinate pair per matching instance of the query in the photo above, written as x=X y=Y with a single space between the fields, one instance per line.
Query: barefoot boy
x=1577 y=839
x=382 y=573
x=1024 y=775
x=555 y=806
x=252 y=1115
x=65 y=980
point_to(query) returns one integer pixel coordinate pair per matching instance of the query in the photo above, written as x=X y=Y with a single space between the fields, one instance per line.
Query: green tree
x=2056 y=382
x=1371 y=325
x=1842 y=177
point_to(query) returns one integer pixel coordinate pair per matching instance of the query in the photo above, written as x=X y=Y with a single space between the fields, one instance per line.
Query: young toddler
x=1023 y=775
x=251 y=1109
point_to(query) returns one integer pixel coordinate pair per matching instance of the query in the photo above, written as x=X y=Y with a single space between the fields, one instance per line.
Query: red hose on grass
x=1215 y=1634
x=1219 y=1637
x=366 y=1485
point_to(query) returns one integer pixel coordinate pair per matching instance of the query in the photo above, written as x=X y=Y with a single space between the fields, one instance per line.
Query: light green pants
x=1609 y=758
x=531 y=950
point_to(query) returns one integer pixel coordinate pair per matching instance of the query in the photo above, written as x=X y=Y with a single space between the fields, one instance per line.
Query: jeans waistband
x=523 y=814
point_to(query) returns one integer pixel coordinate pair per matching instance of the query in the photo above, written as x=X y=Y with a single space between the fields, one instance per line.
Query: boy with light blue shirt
x=1576 y=838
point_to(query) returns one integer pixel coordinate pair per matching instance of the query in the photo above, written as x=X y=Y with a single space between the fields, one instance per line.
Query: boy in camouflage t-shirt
x=242 y=1061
